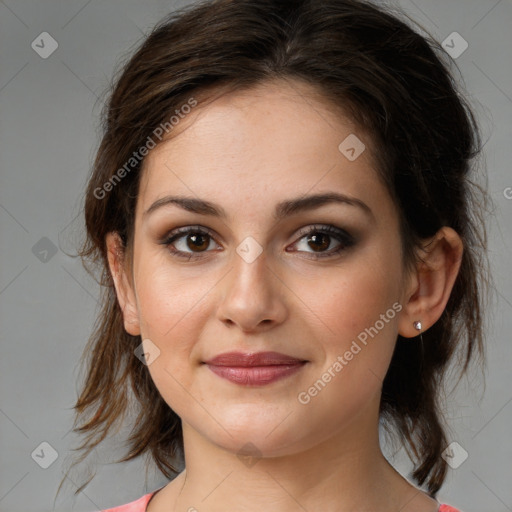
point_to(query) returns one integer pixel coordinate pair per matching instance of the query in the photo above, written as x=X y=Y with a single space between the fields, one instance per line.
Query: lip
x=245 y=359
x=254 y=369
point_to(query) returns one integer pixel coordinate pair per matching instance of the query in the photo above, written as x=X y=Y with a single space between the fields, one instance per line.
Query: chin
x=266 y=435
x=257 y=445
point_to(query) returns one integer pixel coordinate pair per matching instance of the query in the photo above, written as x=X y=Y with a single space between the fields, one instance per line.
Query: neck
x=343 y=473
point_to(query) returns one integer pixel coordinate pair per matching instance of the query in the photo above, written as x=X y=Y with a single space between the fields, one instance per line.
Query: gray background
x=49 y=132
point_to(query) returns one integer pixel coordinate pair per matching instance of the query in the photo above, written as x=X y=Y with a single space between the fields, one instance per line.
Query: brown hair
x=397 y=86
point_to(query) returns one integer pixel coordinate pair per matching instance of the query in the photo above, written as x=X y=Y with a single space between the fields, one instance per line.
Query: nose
x=253 y=296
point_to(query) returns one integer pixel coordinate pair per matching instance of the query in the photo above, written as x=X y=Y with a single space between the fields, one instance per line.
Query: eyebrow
x=282 y=210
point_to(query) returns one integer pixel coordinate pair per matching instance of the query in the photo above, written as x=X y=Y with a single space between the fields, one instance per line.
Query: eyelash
x=345 y=239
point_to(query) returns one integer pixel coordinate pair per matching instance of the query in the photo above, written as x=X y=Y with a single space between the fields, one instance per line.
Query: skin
x=246 y=152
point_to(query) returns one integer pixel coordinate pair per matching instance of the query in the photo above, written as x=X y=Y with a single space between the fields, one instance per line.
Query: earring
x=417 y=325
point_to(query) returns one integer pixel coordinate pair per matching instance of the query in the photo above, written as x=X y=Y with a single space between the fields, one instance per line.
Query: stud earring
x=417 y=325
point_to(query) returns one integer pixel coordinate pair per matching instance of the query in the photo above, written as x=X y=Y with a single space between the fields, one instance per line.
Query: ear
x=124 y=289
x=431 y=284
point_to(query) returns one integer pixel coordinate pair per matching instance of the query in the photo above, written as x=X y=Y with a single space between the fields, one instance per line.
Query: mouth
x=255 y=369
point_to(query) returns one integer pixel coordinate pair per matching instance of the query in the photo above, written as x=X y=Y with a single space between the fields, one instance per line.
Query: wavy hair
x=395 y=84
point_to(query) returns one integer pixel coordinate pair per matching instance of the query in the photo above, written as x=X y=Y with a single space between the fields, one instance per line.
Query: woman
x=283 y=214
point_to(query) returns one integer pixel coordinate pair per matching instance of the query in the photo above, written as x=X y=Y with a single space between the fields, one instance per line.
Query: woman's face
x=260 y=271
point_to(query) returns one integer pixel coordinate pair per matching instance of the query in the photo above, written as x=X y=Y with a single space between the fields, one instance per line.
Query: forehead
x=276 y=140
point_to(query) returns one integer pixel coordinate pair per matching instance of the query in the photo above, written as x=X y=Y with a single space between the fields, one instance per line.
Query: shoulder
x=447 y=508
x=134 y=506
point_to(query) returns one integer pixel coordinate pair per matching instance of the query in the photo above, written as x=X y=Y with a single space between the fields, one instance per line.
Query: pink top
x=141 y=504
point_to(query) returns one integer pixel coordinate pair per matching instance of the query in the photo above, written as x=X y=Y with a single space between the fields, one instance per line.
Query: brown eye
x=198 y=241
x=189 y=242
x=322 y=241
x=319 y=242
x=319 y=239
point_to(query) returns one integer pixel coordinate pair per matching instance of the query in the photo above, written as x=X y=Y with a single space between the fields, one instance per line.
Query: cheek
x=170 y=314
x=359 y=311
x=171 y=309
x=170 y=300
x=355 y=295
